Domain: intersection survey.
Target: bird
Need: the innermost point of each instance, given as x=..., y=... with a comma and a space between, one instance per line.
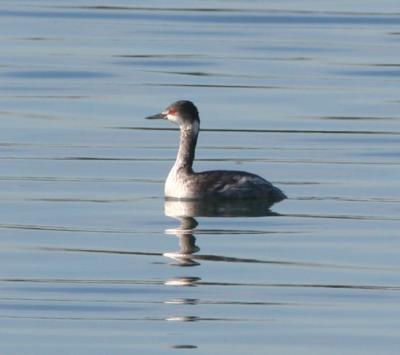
x=183, y=183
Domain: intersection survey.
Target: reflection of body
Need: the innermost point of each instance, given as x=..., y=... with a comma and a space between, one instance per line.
x=217, y=208
x=184, y=183
x=185, y=211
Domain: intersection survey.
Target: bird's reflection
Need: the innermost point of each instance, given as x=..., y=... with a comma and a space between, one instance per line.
x=186, y=211
x=216, y=208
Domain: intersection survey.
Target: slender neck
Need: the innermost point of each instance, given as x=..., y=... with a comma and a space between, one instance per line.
x=187, y=146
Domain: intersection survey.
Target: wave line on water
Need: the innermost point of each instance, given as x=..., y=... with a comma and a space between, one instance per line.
x=219, y=86
x=288, y=285
x=239, y=9
x=351, y=217
x=199, y=282
x=261, y=18
x=217, y=258
x=66, y=228
x=136, y=301
x=105, y=251
x=242, y=130
x=241, y=160
x=56, y=228
x=345, y=199
x=80, y=179
x=140, y=319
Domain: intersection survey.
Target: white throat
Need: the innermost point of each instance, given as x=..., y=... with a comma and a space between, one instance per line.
x=193, y=127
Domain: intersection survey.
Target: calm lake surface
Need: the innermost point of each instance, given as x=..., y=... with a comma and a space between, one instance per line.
x=94, y=261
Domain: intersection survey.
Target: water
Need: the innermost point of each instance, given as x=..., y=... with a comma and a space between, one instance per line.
x=93, y=260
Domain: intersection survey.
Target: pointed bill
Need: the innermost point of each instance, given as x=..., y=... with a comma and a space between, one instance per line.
x=157, y=116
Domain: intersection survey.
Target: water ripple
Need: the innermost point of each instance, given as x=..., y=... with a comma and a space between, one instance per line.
x=295, y=131
x=254, y=18
x=199, y=282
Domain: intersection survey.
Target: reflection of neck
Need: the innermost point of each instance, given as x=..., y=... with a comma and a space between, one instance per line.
x=187, y=243
x=187, y=146
x=187, y=240
x=188, y=223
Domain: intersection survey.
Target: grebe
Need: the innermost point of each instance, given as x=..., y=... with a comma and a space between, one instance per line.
x=183, y=183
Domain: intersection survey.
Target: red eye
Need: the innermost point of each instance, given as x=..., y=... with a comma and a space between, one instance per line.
x=171, y=111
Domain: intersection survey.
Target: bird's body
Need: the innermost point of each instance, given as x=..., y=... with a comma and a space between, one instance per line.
x=219, y=184
x=183, y=183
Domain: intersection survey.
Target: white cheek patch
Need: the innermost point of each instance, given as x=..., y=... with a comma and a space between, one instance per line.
x=171, y=117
